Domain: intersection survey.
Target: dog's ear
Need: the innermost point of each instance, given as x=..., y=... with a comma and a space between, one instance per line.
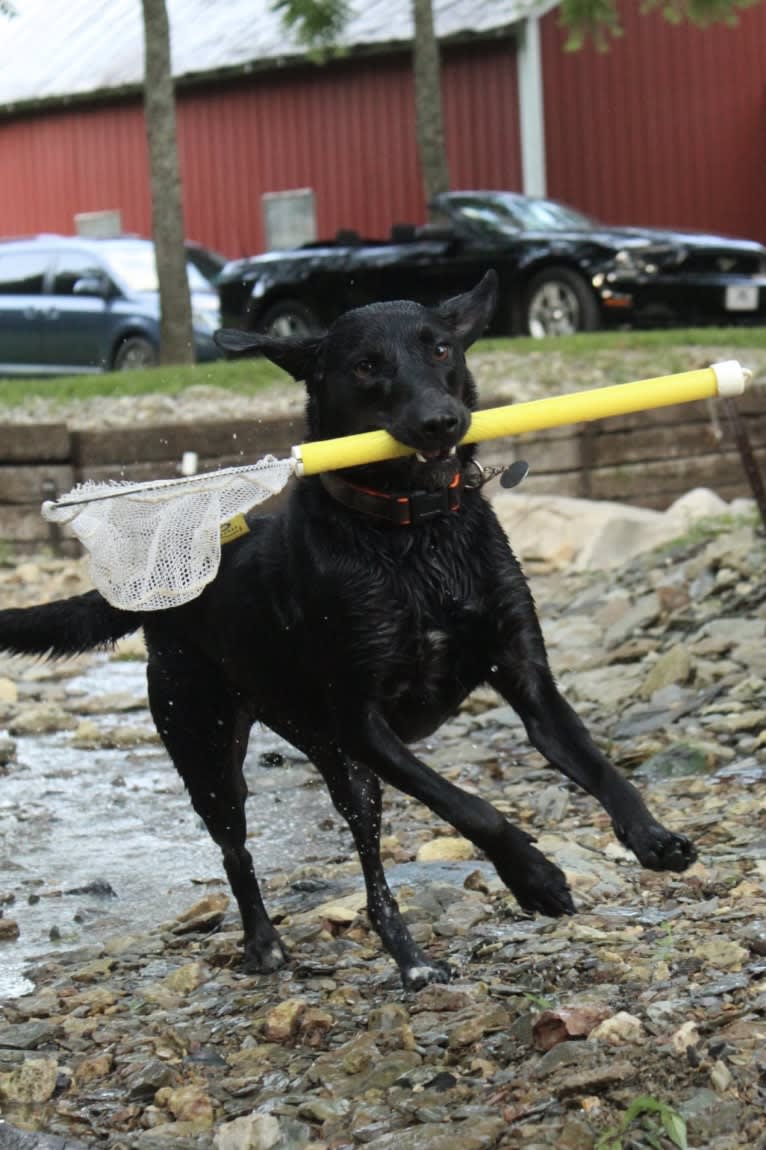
x=295, y=354
x=469, y=314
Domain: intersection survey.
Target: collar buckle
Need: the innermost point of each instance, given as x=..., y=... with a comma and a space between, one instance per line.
x=421, y=505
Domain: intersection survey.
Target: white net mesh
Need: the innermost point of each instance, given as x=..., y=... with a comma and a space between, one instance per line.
x=157, y=545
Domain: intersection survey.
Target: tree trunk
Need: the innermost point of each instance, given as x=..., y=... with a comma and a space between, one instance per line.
x=176, y=338
x=428, y=102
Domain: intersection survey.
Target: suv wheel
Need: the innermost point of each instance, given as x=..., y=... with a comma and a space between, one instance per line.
x=289, y=317
x=135, y=353
x=558, y=301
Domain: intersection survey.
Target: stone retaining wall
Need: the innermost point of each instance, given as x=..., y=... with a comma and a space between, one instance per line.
x=647, y=459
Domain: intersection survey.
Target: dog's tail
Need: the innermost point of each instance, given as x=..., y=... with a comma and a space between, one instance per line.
x=65, y=627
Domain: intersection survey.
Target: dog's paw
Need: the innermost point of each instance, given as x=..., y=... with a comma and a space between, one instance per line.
x=657, y=848
x=538, y=885
x=416, y=977
x=264, y=957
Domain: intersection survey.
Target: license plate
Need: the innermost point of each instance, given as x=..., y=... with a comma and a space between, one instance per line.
x=742, y=297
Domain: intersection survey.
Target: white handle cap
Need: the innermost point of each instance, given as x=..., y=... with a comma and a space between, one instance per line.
x=732, y=377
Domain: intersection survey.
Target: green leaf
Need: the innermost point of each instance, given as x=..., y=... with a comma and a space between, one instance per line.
x=675, y=1128
x=644, y=1104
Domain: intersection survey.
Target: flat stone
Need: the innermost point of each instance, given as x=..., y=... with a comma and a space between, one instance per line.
x=471, y=1135
x=707, y=1114
x=28, y=1035
x=672, y=666
x=643, y=613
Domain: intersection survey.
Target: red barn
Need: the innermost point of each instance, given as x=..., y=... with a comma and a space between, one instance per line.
x=667, y=128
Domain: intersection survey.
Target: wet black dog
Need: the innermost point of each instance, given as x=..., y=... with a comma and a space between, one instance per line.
x=357, y=621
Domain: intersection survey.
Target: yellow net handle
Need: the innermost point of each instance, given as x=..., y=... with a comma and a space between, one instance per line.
x=725, y=379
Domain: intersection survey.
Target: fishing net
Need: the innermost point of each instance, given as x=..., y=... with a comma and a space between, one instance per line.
x=157, y=545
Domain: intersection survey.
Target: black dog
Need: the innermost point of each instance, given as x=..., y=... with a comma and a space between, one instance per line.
x=358, y=620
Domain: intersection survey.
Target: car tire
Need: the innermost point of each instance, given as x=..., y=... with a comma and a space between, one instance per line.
x=558, y=301
x=288, y=317
x=134, y=353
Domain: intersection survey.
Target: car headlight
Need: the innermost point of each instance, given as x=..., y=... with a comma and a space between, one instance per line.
x=207, y=320
x=647, y=261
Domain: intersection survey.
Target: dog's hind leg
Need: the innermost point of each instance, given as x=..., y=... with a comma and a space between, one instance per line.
x=355, y=791
x=205, y=729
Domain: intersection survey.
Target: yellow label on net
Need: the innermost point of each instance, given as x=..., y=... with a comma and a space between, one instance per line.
x=233, y=528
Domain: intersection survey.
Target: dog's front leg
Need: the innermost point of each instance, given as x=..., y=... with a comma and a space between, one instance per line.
x=523, y=678
x=537, y=883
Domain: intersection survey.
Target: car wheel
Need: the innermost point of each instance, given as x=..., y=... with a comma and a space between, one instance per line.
x=134, y=353
x=288, y=317
x=558, y=301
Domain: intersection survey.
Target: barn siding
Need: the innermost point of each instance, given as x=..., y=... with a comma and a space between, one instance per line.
x=347, y=130
x=667, y=128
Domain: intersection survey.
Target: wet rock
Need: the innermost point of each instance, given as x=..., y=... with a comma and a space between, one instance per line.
x=687, y=1035
x=9, y=929
x=473, y=1029
x=471, y=1135
x=9, y=692
x=32, y=1083
x=677, y=761
x=673, y=666
x=720, y=1077
x=147, y=1079
x=190, y=1104
x=40, y=719
x=13, y=1139
x=707, y=1115
x=446, y=849
x=249, y=1132
x=204, y=915
x=558, y=1026
x=597, y=1079
x=186, y=978
x=461, y=917
x=282, y=1022
x=643, y=612
x=621, y=1029
x=93, y=1067
x=28, y=1035
x=721, y=953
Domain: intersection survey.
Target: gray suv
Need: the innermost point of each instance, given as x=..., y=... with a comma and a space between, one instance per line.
x=71, y=305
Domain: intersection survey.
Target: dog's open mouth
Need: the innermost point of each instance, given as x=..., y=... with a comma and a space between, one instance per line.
x=435, y=456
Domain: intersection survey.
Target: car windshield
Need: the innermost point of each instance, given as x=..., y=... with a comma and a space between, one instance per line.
x=137, y=268
x=506, y=215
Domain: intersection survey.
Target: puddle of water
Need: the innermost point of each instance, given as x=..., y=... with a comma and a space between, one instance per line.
x=70, y=816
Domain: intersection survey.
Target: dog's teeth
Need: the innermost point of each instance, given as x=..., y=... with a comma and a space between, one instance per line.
x=452, y=450
x=420, y=458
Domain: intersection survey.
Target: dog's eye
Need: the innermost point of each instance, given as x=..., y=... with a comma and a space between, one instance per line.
x=442, y=352
x=364, y=369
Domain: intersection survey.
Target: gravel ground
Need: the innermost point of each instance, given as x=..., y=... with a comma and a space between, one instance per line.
x=643, y=1015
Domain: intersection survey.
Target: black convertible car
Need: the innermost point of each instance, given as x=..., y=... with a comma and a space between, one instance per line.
x=560, y=272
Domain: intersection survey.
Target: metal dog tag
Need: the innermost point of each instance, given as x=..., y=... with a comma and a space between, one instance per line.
x=513, y=475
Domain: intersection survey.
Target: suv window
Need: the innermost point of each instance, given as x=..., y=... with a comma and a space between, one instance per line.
x=73, y=266
x=22, y=273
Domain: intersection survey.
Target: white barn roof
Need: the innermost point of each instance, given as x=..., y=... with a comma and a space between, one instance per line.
x=53, y=50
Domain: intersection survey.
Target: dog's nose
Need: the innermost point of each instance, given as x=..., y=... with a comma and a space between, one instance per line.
x=438, y=426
